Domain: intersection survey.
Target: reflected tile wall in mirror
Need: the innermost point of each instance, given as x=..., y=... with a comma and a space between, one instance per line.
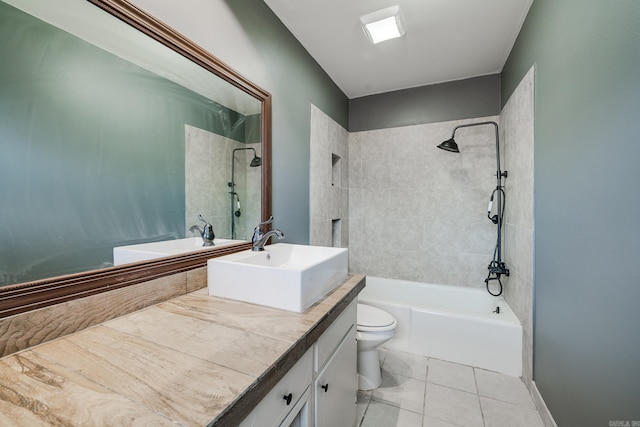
x=208, y=168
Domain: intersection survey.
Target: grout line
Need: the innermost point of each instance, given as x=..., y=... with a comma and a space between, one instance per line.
x=475, y=378
x=424, y=399
x=366, y=409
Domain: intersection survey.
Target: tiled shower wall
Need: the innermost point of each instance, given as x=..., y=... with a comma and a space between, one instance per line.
x=420, y=213
x=207, y=173
x=516, y=123
x=329, y=182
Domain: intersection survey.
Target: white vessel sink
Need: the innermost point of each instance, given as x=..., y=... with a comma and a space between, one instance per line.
x=286, y=276
x=147, y=251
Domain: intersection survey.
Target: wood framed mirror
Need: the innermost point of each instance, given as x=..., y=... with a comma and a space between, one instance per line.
x=21, y=296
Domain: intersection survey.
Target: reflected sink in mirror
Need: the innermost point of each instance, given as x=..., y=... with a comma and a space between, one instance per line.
x=287, y=276
x=147, y=251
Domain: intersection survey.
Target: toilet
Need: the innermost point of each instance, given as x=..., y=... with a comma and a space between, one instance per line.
x=375, y=327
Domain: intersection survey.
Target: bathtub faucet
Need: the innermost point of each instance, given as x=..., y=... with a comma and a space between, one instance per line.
x=496, y=270
x=260, y=239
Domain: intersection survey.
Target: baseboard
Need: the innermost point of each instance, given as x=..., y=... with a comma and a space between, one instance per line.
x=546, y=416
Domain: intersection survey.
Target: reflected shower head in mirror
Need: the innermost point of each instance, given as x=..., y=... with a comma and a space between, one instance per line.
x=256, y=161
x=449, y=145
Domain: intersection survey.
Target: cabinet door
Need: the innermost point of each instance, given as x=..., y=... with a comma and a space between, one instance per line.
x=299, y=415
x=336, y=387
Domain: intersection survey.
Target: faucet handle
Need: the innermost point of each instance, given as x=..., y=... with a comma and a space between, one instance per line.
x=257, y=232
x=267, y=222
x=258, y=229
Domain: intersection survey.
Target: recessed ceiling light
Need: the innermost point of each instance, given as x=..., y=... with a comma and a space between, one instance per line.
x=383, y=24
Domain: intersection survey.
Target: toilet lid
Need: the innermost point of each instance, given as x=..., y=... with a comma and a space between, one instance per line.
x=372, y=317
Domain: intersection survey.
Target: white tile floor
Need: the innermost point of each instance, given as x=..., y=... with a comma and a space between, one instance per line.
x=417, y=391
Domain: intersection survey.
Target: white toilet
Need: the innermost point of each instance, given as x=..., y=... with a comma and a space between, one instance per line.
x=375, y=327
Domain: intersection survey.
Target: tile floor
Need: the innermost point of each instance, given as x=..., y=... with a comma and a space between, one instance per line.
x=417, y=391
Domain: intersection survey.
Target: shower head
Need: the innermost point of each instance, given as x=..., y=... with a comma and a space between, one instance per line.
x=449, y=145
x=256, y=161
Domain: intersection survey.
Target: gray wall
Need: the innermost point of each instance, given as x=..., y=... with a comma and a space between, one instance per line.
x=250, y=38
x=587, y=204
x=462, y=99
x=297, y=81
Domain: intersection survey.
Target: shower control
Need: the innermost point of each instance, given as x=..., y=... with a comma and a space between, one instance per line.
x=496, y=266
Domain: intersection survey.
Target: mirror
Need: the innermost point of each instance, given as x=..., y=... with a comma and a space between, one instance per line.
x=110, y=138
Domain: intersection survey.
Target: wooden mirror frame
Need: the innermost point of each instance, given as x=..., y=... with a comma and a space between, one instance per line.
x=29, y=296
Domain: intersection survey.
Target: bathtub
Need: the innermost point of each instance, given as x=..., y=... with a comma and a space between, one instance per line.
x=452, y=323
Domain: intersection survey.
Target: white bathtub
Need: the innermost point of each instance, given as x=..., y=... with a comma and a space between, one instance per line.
x=452, y=323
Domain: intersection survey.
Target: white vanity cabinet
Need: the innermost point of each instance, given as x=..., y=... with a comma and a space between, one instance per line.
x=335, y=383
x=322, y=385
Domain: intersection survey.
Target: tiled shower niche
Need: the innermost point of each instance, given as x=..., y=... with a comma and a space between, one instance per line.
x=329, y=182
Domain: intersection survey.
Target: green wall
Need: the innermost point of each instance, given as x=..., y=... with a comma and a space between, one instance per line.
x=587, y=205
x=460, y=99
x=91, y=151
x=295, y=82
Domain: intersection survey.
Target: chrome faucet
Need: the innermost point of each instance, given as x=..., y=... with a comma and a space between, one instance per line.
x=206, y=233
x=260, y=239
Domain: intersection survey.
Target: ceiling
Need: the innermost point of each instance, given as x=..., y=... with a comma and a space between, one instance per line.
x=446, y=40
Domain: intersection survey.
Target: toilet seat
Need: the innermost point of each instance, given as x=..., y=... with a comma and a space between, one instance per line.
x=372, y=319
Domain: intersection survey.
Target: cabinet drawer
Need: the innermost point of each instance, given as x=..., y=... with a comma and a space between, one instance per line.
x=330, y=339
x=273, y=408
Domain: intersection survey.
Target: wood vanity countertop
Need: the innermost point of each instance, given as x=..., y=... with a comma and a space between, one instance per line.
x=194, y=360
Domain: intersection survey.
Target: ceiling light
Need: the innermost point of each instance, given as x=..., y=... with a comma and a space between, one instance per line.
x=383, y=24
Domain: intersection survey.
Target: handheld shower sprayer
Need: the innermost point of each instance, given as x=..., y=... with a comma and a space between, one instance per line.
x=493, y=219
x=499, y=215
x=238, y=211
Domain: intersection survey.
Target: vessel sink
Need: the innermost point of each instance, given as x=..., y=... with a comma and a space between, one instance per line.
x=147, y=251
x=287, y=276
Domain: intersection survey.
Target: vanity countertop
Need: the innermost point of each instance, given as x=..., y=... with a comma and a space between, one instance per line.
x=194, y=360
